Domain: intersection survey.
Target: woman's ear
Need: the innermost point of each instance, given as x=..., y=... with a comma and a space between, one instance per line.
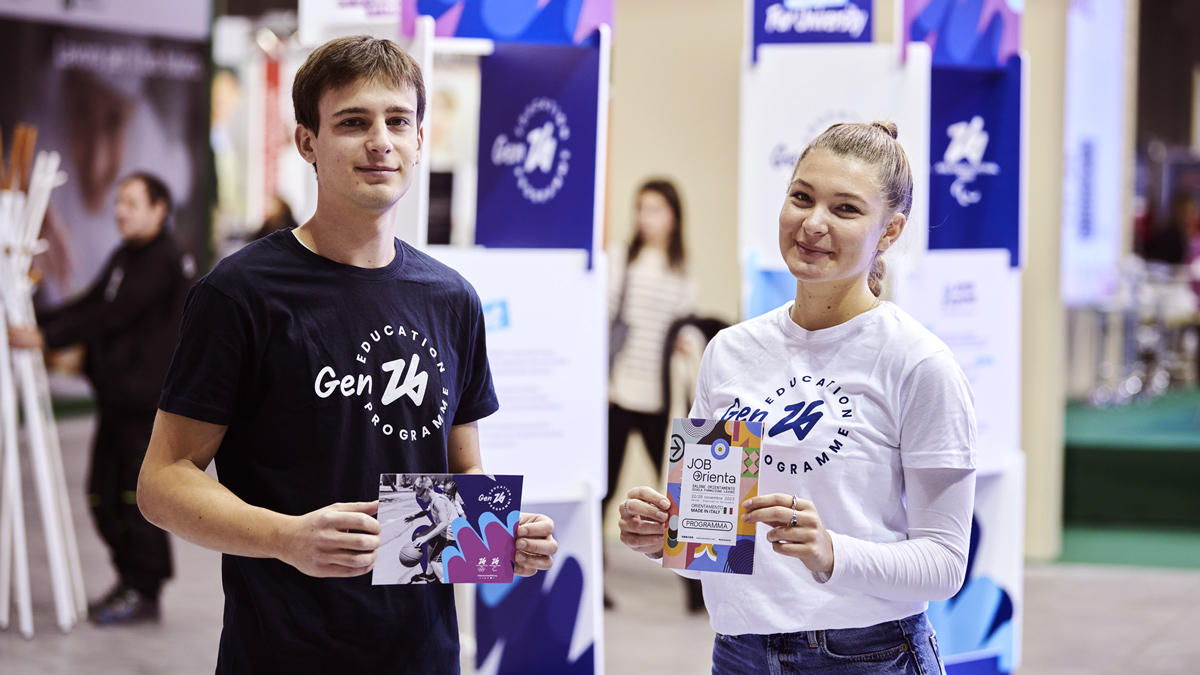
x=891, y=231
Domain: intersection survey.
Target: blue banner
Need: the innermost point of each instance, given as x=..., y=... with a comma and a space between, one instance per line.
x=808, y=21
x=543, y=21
x=537, y=147
x=975, y=159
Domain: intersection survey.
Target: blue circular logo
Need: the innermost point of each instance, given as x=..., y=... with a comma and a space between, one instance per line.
x=720, y=449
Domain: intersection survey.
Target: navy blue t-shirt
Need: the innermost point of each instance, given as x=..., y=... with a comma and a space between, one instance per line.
x=328, y=375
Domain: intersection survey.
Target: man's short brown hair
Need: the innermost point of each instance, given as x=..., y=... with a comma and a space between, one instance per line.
x=347, y=60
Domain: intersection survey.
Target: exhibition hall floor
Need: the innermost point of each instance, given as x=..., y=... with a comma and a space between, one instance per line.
x=1079, y=619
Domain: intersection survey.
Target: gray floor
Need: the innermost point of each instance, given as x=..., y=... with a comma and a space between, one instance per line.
x=1078, y=619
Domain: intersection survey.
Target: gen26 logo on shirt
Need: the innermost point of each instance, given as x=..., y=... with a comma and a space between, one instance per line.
x=792, y=412
x=402, y=358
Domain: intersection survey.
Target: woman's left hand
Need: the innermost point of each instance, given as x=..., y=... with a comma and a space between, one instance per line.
x=796, y=529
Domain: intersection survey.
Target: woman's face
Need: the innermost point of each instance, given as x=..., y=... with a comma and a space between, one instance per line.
x=654, y=218
x=834, y=219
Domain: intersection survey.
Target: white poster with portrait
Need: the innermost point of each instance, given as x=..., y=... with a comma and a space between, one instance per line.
x=792, y=94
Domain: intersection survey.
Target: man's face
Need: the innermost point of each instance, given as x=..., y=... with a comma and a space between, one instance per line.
x=138, y=220
x=368, y=147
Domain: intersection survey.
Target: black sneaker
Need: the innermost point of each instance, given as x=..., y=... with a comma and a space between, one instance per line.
x=123, y=606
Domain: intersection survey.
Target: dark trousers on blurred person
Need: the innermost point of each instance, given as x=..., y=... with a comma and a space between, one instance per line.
x=653, y=429
x=140, y=551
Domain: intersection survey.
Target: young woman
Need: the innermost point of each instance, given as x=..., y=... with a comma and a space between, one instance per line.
x=875, y=414
x=649, y=289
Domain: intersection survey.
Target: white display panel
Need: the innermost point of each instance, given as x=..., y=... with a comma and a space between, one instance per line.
x=547, y=331
x=971, y=299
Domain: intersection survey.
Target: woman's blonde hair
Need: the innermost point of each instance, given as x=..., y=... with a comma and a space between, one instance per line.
x=875, y=144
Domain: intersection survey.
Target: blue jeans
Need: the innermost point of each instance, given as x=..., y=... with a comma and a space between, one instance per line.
x=904, y=647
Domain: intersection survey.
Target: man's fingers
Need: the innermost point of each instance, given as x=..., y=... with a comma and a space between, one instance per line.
x=350, y=520
x=535, y=525
x=643, y=527
x=540, y=546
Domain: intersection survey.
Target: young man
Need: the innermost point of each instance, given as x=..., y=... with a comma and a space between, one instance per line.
x=311, y=362
x=128, y=322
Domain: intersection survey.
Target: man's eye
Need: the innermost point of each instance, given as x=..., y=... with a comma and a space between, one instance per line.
x=398, y=121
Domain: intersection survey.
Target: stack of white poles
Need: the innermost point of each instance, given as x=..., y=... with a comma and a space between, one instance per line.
x=24, y=195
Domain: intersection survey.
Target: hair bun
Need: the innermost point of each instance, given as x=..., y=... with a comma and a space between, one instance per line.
x=888, y=127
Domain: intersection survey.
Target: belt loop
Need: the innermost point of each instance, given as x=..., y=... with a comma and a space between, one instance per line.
x=812, y=638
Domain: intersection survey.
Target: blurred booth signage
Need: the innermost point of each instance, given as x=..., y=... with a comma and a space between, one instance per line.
x=975, y=154
x=537, y=147
x=1093, y=147
x=975, y=33
x=181, y=19
x=777, y=21
x=541, y=21
x=323, y=20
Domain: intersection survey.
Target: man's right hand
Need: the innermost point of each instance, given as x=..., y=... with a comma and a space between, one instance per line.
x=643, y=520
x=340, y=540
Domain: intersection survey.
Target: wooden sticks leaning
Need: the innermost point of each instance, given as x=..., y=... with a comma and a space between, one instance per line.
x=17, y=174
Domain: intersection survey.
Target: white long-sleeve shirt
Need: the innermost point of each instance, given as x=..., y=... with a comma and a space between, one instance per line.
x=872, y=421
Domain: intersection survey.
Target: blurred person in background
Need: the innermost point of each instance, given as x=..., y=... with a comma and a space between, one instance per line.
x=128, y=322
x=649, y=289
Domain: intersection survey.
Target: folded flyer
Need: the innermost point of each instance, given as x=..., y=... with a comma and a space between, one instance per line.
x=440, y=528
x=713, y=469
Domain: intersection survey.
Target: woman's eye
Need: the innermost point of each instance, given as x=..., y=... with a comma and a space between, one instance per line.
x=800, y=196
x=848, y=208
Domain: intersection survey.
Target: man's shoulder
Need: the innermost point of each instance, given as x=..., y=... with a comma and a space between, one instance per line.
x=420, y=267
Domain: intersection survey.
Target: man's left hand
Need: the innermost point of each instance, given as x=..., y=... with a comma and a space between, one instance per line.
x=535, y=544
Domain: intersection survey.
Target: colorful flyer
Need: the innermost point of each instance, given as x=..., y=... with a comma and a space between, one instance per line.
x=440, y=528
x=713, y=469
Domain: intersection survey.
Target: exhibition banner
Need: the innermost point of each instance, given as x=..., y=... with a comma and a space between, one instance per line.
x=551, y=622
x=537, y=147
x=547, y=325
x=975, y=33
x=971, y=300
x=1094, y=142
x=806, y=21
x=543, y=21
x=110, y=104
x=843, y=83
x=979, y=629
x=179, y=19
x=975, y=153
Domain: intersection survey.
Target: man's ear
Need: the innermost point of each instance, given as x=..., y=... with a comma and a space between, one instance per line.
x=420, y=143
x=304, y=143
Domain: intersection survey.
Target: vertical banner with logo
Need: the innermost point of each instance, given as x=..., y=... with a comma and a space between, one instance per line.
x=537, y=147
x=973, y=33
x=780, y=21
x=843, y=83
x=1094, y=139
x=975, y=154
x=542, y=21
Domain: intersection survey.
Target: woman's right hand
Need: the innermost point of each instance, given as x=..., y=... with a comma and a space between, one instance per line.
x=644, y=520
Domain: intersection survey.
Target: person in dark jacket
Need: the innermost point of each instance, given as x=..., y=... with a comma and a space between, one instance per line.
x=128, y=322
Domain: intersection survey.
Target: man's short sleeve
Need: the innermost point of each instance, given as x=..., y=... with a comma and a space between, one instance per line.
x=207, y=369
x=478, y=398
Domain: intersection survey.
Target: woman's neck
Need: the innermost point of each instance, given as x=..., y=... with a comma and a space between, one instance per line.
x=826, y=305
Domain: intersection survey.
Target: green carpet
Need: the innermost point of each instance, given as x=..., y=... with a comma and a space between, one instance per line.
x=1136, y=465
x=1125, y=546
x=1171, y=422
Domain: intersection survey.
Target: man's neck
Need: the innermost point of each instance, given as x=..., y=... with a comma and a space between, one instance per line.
x=358, y=242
